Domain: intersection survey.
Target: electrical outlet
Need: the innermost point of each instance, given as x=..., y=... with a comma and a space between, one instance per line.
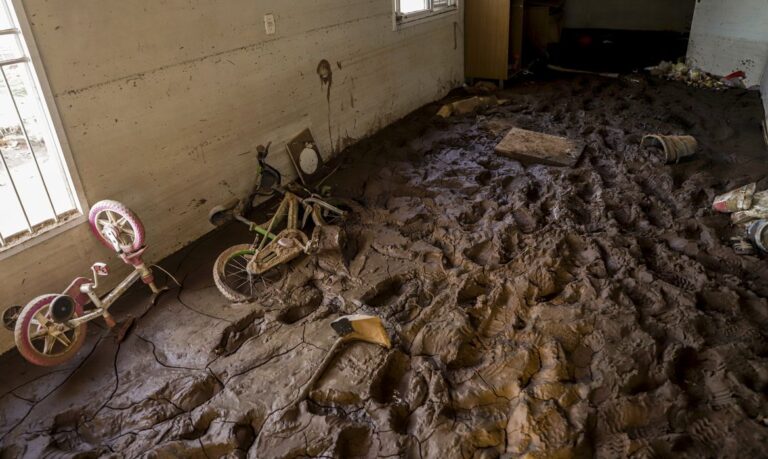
x=269, y=23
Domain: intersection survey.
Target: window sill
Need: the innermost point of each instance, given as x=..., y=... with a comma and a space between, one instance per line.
x=41, y=235
x=403, y=22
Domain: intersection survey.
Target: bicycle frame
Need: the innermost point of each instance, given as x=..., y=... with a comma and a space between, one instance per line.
x=140, y=271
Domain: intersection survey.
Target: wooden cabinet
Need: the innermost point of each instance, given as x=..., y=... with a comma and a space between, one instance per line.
x=493, y=34
x=487, y=38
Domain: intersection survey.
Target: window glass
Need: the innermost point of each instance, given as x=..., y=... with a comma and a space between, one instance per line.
x=9, y=47
x=409, y=6
x=35, y=186
x=22, y=169
x=5, y=17
x=41, y=138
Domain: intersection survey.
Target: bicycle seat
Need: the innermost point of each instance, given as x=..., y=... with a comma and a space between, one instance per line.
x=269, y=178
x=74, y=290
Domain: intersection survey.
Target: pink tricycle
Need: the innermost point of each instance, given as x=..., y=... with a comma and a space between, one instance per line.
x=50, y=329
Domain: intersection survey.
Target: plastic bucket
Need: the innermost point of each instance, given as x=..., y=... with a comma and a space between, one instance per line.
x=676, y=147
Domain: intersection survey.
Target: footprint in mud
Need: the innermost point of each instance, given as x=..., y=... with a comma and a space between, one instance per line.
x=506, y=182
x=386, y=293
x=682, y=119
x=510, y=245
x=585, y=191
x=580, y=253
x=533, y=193
x=525, y=220
x=388, y=379
x=237, y=333
x=473, y=215
x=656, y=214
x=474, y=288
x=303, y=302
x=487, y=164
x=578, y=210
x=484, y=178
x=606, y=171
x=483, y=254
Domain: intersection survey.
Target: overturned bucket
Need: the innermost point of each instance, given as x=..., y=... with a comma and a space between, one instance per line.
x=735, y=200
x=676, y=147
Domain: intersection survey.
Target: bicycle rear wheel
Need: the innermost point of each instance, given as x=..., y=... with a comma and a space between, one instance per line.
x=43, y=342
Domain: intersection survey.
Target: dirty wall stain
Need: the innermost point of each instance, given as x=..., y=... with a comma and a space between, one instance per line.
x=325, y=73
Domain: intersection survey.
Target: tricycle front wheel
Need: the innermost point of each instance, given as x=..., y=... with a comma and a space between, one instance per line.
x=42, y=341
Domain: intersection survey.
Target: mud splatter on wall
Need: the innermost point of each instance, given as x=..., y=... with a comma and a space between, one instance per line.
x=326, y=77
x=325, y=73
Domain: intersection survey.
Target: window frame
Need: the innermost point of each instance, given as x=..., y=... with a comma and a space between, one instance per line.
x=404, y=19
x=47, y=99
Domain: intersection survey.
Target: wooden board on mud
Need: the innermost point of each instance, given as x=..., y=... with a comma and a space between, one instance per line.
x=535, y=147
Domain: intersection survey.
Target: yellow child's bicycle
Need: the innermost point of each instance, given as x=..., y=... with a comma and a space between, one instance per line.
x=277, y=241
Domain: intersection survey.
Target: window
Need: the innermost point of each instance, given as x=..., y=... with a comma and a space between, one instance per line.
x=36, y=190
x=411, y=10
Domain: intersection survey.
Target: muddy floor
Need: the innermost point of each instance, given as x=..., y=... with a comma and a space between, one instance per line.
x=534, y=311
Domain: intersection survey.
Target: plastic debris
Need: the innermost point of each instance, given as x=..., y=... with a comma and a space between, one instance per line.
x=758, y=235
x=742, y=246
x=735, y=200
x=481, y=87
x=696, y=77
x=748, y=208
x=470, y=105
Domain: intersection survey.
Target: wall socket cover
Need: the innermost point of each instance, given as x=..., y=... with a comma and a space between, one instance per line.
x=269, y=23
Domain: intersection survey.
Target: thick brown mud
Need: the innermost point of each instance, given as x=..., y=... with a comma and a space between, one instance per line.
x=535, y=311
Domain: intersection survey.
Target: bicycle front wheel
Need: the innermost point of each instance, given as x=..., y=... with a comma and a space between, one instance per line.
x=230, y=273
x=116, y=226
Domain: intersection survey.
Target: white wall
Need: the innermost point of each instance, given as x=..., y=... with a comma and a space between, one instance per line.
x=163, y=103
x=730, y=35
x=655, y=15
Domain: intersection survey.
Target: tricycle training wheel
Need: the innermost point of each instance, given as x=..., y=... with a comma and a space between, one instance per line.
x=10, y=316
x=116, y=226
x=42, y=341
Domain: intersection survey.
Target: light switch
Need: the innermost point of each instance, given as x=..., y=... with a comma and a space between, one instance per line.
x=269, y=23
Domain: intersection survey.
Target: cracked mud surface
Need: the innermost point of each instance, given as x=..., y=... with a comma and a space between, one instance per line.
x=535, y=311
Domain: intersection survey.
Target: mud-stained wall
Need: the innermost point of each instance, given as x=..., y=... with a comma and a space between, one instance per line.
x=657, y=15
x=164, y=102
x=727, y=36
x=764, y=93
